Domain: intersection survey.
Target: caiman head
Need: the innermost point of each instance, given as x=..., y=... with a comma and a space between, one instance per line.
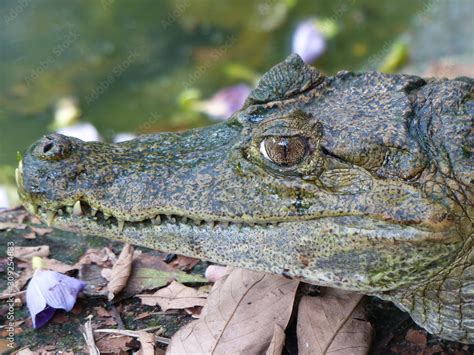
x=359, y=181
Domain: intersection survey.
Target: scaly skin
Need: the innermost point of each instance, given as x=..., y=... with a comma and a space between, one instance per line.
x=357, y=181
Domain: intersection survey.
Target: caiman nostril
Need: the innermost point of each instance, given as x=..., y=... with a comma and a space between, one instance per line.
x=48, y=147
x=53, y=147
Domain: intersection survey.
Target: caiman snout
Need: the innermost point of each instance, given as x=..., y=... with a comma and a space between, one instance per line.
x=48, y=172
x=52, y=147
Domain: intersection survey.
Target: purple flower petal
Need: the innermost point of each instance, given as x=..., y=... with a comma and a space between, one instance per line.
x=48, y=291
x=226, y=101
x=308, y=42
x=43, y=317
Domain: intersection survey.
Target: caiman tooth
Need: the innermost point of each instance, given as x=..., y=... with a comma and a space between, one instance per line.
x=69, y=209
x=120, y=224
x=225, y=224
x=107, y=215
x=17, y=177
x=60, y=212
x=18, y=173
x=50, y=215
x=77, y=209
x=93, y=211
x=184, y=220
x=33, y=208
x=157, y=220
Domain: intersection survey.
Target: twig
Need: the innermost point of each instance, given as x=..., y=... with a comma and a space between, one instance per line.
x=148, y=343
x=134, y=333
x=88, y=335
x=116, y=314
x=4, y=296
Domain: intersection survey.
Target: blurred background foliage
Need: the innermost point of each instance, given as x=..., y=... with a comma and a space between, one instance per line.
x=141, y=66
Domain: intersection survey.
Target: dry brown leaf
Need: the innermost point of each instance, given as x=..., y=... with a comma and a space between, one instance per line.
x=33, y=219
x=113, y=343
x=143, y=315
x=17, y=214
x=175, y=296
x=6, y=347
x=106, y=274
x=120, y=271
x=102, y=312
x=278, y=341
x=194, y=312
x=11, y=225
x=334, y=323
x=417, y=337
x=58, y=266
x=29, y=235
x=41, y=231
x=148, y=343
x=4, y=333
x=182, y=262
x=26, y=253
x=239, y=316
x=216, y=272
x=104, y=317
x=20, y=281
x=104, y=257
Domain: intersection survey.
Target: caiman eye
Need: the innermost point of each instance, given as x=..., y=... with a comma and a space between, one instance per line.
x=284, y=151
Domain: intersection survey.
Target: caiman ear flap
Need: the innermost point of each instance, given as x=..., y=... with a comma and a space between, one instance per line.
x=284, y=80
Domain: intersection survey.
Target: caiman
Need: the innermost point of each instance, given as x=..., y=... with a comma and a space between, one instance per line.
x=357, y=181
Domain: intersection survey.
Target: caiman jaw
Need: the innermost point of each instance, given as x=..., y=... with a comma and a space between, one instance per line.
x=81, y=213
x=82, y=210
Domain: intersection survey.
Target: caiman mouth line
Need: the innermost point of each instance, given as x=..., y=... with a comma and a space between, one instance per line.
x=84, y=210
